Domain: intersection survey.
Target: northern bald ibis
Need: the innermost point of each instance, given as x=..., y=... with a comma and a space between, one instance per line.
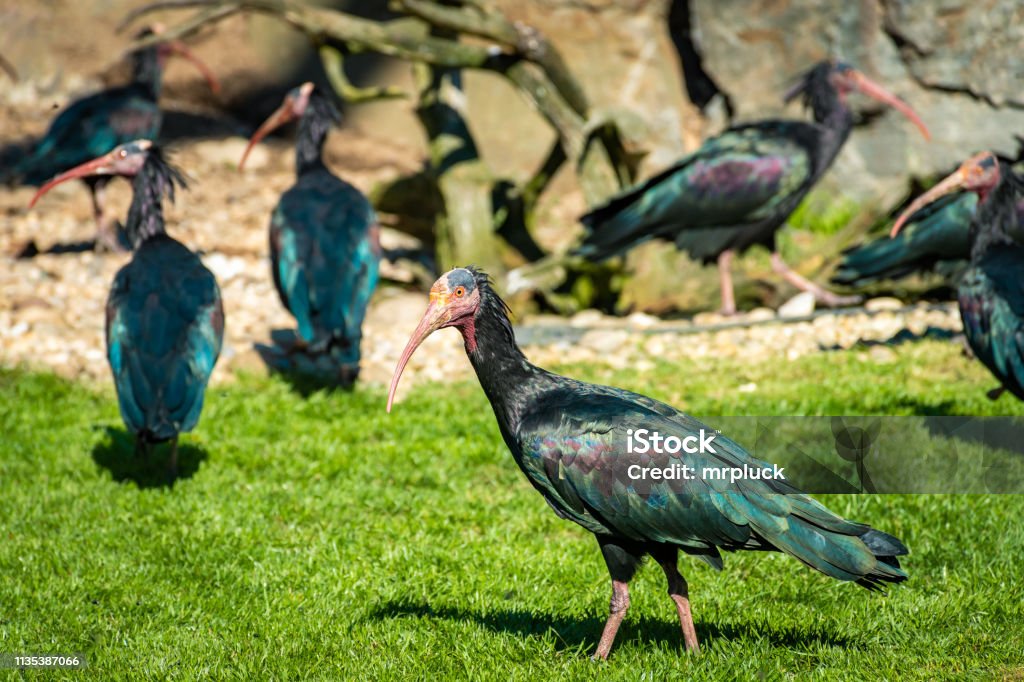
x=165, y=317
x=740, y=187
x=324, y=238
x=573, y=442
x=93, y=125
x=991, y=291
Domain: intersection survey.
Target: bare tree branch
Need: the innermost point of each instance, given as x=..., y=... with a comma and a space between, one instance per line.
x=465, y=231
x=594, y=167
x=475, y=203
x=212, y=14
x=134, y=14
x=524, y=40
x=402, y=39
x=334, y=66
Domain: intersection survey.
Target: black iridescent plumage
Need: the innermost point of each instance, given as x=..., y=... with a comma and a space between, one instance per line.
x=91, y=126
x=936, y=237
x=165, y=318
x=569, y=438
x=324, y=244
x=739, y=188
x=991, y=292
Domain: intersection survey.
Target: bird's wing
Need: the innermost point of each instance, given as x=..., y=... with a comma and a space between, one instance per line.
x=326, y=256
x=90, y=127
x=991, y=298
x=286, y=266
x=165, y=326
x=938, y=232
x=118, y=335
x=574, y=449
x=738, y=178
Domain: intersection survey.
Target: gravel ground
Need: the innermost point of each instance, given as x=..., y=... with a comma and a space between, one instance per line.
x=51, y=305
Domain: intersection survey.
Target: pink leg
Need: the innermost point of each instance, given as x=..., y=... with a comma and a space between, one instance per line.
x=678, y=590
x=619, y=606
x=106, y=230
x=725, y=282
x=803, y=284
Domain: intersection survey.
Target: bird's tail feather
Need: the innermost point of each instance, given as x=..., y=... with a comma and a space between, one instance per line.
x=332, y=358
x=841, y=549
x=883, y=258
x=36, y=166
x=620, y=224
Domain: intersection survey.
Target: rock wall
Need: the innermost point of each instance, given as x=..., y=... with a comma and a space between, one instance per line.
x=958, y=63
x=675, y=71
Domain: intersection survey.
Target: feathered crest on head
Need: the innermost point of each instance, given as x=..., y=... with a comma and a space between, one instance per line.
x=1012, y=167
x=806, y=81
x=158, y=172
x=323, y=106
x=490, y=298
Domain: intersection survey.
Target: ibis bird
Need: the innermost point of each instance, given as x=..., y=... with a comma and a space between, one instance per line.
x=324, y=239
x=739, y=188
x=573, y=441
x=991, y=292
x=93, y=125
x=165, y=317
x=935, y=238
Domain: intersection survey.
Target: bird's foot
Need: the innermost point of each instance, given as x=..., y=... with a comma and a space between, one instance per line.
x=298, y=347
x=619, y=606
x=726, y=312
x=996, y=392
x=107, y=241
x=965, y=348
x=833, y=300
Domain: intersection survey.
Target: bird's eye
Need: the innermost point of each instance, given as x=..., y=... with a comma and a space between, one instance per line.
x=123, y=153
x=459, y=292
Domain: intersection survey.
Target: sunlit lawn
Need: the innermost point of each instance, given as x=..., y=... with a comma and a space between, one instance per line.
x=321, y=538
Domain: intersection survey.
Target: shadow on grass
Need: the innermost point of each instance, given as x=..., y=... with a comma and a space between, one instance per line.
x=919, y=408
x=901, y=337
x=583, y=633
x=117, y=455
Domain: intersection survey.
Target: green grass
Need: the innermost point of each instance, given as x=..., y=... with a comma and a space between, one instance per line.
x=824, y=214
x=321, y=538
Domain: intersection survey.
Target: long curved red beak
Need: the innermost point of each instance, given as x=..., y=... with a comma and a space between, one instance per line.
x=435, y=317
x=283, y=114
x=179, y=48
x=877, y=92
x=98, y=166
x=951, y=184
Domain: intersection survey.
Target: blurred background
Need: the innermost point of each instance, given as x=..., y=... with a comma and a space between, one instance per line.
x=669, y=73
